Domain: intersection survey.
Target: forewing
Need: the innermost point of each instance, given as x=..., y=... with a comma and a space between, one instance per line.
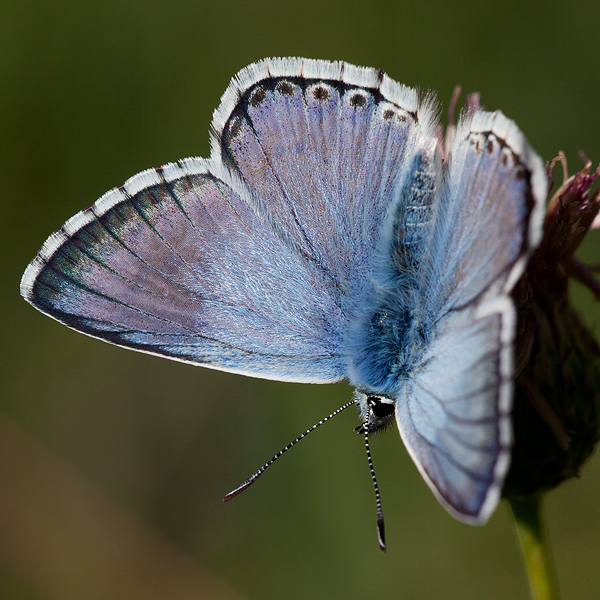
x=325, y=148
x=453, y=412
x=488, y=217
x=176, y=263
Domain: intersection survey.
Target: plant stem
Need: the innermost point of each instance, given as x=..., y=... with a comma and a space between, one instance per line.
x=526, y=512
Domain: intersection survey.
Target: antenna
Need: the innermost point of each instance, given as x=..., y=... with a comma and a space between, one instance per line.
x=251, y=480
x=380, y=524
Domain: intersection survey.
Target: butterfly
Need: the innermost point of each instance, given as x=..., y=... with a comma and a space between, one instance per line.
x=330, y=236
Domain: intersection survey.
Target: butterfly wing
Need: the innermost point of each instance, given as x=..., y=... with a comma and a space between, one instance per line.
x=453, y=413
x=488, y=218
x=324, y=148
x=176, y=263
x=247, y=262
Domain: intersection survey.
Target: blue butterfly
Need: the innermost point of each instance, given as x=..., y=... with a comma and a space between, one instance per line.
x=329, y=236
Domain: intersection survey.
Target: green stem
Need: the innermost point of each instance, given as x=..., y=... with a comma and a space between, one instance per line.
x=530, y=529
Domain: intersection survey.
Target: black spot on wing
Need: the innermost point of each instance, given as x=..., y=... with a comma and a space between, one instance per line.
x=321, y=93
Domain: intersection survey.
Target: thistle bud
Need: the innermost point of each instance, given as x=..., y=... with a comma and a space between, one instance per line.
x=556, y=414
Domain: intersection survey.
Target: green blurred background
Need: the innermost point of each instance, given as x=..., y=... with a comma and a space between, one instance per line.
x=113, y=463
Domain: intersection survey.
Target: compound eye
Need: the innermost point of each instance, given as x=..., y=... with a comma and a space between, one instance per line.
x=380, y=409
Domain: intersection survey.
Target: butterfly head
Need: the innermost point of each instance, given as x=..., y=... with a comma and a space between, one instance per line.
x=376, y=411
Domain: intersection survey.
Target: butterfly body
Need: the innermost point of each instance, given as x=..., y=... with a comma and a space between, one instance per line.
x=327, y=237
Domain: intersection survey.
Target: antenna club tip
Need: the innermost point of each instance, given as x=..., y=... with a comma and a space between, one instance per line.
x=381, y=533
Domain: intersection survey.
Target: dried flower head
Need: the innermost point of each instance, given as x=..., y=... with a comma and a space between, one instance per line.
x=556, y=412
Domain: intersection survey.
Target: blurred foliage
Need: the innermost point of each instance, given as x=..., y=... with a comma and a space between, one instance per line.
x=94, y=92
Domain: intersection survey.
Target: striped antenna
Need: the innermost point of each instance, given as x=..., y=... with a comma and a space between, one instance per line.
x=251, y=480
x=380, y=524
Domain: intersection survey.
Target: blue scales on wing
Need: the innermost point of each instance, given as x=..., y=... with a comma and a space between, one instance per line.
x=176, y=263
x=251, y=261
x=324, y=149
